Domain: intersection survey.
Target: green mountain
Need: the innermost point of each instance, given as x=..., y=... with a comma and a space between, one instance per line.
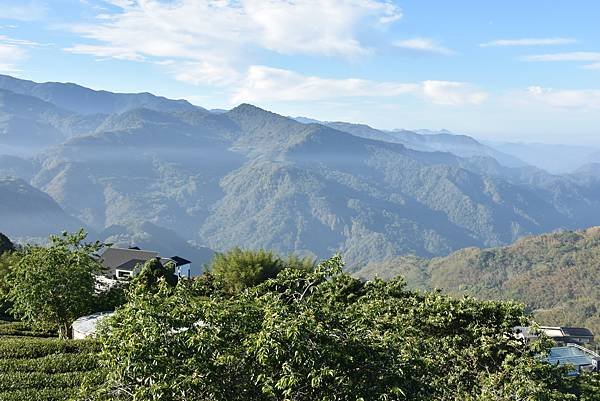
x=556, y=275
x=251, y=178
x=28, y=212
x=83, y=100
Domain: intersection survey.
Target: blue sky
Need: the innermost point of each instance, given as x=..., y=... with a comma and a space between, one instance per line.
x=504, y=70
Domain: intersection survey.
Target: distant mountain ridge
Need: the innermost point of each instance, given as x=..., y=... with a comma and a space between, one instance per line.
x=251, y=178
x=426, y=141
x=29, y=212
x=83, y=100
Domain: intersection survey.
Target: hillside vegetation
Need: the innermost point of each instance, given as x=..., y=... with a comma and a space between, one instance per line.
x=36, y=366
x=556, y=275
x=251, y=178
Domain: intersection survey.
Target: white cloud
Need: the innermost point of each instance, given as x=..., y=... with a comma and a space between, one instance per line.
x=217, y=34
x=593, y=57
x=10, y=56
x=452, y=93
x=271, y=84
x=12, y=52
x=423, y=45
x=571, y=56
x=201, y=72
x=528, y=42
x=579, y=99
x=20, y=10
x=593, y=66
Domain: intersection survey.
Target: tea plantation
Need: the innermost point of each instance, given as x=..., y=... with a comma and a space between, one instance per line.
x=36, y=366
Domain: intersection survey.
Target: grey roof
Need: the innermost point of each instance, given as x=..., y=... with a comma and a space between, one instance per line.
x=112, y=258
x=577, y=332
x=179, y=261
x=572, y=355
x=131, y=264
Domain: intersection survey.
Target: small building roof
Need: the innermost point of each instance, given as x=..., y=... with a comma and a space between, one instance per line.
x=179, y=261
x=577, y=332
x=131, y=264
x=113, y=257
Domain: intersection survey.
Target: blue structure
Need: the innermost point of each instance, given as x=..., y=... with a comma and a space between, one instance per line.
x=582, y=359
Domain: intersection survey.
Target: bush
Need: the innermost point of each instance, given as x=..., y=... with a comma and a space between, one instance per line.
x=39, y=394
x=53, y=363
x=319, y=334
x=39, y=347
x=40, y=380
x=238, y=269
x=24, y=330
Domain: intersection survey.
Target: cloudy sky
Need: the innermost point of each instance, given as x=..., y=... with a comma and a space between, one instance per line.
x=511, y=70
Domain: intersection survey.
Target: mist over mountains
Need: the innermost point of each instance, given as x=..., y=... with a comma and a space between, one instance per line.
x=171, y=173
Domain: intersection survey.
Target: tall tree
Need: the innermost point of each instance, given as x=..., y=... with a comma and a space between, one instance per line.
x=238, y=269
x=55, y=284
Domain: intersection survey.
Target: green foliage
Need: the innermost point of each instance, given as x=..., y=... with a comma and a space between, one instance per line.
x=318, y=334
x=555, y=275
x=46, y=369
x=111, y=298
x=40, y=347
x=152, y=271
x=54, y=285
x=21, y=329
x=238, y=269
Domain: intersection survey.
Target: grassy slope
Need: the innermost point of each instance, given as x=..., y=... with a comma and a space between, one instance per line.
x=35, y=366
x=556, y=275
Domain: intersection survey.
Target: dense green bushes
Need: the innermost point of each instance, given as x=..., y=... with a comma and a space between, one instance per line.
x=22, y=329
x=555, y=275
x=36, y=367
x=53, y=363
x=39, y=347
x=319, y=334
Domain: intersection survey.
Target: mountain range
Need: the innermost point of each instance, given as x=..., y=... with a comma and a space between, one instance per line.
x=142, y=166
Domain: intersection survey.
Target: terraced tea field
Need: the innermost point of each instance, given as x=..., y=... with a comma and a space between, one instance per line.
x=36, y=366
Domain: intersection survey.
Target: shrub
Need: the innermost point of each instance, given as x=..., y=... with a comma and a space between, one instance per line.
x=39, y=347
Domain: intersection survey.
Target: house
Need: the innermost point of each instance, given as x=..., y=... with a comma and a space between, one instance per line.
x=569, y=346
x=123, y=263
x=560, y=335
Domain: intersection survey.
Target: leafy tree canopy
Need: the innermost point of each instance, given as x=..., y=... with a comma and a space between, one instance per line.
x=238, y=269
x=152, y=271
x=55, y=284
x=319, y=334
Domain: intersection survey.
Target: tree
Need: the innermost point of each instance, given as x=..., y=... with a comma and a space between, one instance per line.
x=152, y=271
x=238, y=269
x=319, y=334
x=6, y=244
x=54, y=285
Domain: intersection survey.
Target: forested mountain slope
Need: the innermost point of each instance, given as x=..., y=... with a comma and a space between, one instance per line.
x=251, y=178
x=29, y=212
x=556, y=275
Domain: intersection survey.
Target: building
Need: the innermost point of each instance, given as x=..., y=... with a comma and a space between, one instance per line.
x=560, y=335
x=569, y=349
x=123, y=263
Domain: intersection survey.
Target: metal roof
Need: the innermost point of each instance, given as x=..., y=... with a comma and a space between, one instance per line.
x=179, y=261
x=131, y=264
x=574, y=355
x=577, y=332
x=112, y=258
